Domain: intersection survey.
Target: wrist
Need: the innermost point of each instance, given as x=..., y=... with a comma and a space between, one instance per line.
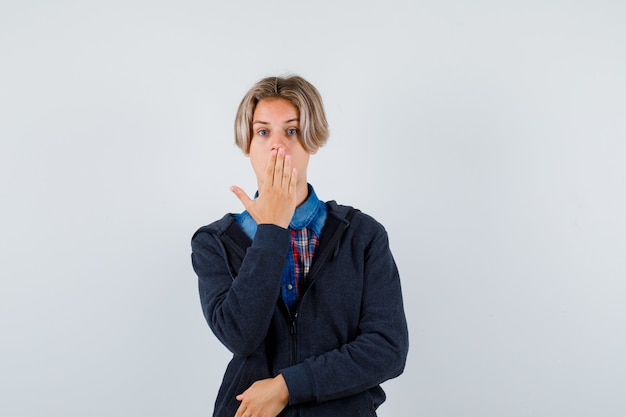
x=281, y=386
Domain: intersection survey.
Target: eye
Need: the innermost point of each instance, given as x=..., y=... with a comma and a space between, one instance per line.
x=292, y=131
x=262, y=132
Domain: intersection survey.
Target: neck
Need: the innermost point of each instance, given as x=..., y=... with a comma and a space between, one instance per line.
x=302, y=192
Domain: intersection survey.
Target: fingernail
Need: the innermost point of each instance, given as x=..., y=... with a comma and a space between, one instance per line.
x=281, y=151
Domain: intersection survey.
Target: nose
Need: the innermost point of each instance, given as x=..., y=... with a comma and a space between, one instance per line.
x=279, y=140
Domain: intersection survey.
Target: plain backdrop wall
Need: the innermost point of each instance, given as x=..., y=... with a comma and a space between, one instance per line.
x=489, y=137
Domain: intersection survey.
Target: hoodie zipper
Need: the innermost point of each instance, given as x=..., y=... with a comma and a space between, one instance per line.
x=294, y=339
x=330, y=248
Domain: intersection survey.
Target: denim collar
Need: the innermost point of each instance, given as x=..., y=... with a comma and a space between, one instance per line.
x=306, y=212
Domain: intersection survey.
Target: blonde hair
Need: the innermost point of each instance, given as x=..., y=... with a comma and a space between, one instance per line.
x=299, y=92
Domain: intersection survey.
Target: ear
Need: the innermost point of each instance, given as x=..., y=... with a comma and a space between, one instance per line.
x=315, y=151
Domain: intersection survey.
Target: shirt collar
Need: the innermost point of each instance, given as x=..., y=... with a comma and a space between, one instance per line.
x=306, y=211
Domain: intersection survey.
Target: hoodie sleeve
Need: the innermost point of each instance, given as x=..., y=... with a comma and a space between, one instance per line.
x=239, y=308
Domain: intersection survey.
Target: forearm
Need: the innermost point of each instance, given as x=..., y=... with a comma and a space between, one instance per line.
x=239, y=308
x=355, y=367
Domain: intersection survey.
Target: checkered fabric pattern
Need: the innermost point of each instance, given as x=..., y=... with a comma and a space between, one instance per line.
x=303, y=244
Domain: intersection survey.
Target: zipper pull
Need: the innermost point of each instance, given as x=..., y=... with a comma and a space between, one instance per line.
x=293, y=323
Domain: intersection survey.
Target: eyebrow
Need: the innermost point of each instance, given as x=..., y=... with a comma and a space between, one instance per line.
x=295, y=119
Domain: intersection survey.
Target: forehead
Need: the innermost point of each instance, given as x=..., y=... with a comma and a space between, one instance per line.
x=275, y=108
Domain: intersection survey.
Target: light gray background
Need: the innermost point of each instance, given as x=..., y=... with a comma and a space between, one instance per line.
x=489, y=137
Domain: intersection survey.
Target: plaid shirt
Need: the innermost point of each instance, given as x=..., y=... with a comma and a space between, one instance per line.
x=303, y=244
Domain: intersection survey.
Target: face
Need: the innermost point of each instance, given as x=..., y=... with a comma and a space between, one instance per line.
x=275, y=125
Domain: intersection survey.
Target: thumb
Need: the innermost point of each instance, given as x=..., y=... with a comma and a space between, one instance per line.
x=241, y=195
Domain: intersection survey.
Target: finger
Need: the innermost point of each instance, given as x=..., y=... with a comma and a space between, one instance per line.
x=287, y=172
x=269, y=168
x=241, y=195
x=279, y=167
x=293, y=181
x=242, y=408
